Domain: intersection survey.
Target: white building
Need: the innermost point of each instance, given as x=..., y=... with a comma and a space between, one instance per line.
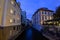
x=41, y=15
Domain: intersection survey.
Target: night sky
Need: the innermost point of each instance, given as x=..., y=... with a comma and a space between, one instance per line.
x=30, y=6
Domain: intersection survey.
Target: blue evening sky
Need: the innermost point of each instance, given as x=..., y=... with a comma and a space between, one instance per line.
x=30, y=6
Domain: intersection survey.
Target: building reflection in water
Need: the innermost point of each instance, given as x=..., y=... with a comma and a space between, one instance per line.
x=29, y=34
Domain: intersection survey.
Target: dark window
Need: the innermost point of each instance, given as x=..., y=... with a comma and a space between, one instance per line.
x=17, y=28
x=13, y=28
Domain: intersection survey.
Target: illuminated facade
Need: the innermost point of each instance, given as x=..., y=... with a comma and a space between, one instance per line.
x=10, y=19
x=42, y=15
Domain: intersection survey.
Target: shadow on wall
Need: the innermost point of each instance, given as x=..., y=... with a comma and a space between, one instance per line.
x=37, y=27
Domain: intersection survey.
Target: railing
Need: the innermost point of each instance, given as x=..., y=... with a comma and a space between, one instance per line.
x=53, y=31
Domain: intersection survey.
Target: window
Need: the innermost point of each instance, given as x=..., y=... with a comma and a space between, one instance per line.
x=59, y=24
x=10, y=32
x=18, y=20
x=11, y=11
x=43, y=12
x=42, y=17
x=12, y=20
x=47, y=17
x=50, y=17
x=13, y=28
x=41, y=22
x=12, y=2
x=47, y=12
x=17, y=28
x=51, y=13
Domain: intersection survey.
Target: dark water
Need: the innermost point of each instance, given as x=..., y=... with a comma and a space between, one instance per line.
x=31, y=34
x=28, y=34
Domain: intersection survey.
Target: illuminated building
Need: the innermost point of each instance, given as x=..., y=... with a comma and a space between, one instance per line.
x=10, y=19
x=42, y=15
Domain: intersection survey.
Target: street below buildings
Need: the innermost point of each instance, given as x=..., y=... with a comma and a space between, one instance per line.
x=31, y=34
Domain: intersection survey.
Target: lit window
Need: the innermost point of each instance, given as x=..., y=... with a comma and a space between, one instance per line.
x=49, y=22
x=11, y=20
x=41, y=22
x=11, y=11
x=12, y=2
x=54, y=22
x=59, y=24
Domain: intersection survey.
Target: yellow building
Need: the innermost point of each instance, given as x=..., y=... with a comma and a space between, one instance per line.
x=10, y=19
x=41, y=15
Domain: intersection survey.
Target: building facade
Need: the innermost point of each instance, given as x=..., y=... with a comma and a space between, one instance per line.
x=28, y=23
x=10, y=19
x=23, y=20
x=41, y=15
x=23, y=17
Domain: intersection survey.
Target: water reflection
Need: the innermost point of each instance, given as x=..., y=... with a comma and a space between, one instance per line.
x=29, y=34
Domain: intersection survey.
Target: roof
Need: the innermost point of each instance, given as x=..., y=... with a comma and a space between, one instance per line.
x=42, y=9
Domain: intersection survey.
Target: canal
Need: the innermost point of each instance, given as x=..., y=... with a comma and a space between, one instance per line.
x=31, y=34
